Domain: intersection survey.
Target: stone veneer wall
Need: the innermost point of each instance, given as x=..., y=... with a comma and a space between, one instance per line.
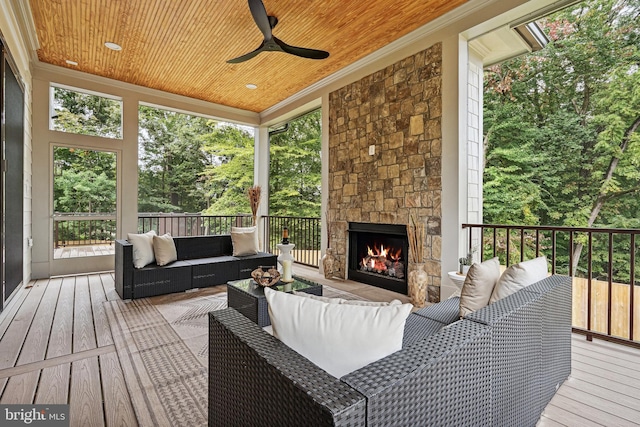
x=397, y=109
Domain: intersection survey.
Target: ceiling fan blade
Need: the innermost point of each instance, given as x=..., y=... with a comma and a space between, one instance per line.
x=246, y=56
x=301, y=51
x=261, y=18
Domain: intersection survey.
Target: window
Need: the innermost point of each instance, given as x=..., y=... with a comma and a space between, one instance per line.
x=85, y=113
x=189, y=163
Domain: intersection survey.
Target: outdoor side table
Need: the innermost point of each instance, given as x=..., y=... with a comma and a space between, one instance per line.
x=247, y=297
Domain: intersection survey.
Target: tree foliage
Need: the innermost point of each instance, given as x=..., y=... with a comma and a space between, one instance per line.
x=561, y=146
x=84, y=181
x=295, y=172
x=561, y=126
x=171, y=160
x=86, y=114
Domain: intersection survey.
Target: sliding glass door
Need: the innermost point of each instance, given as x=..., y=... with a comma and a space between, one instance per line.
x=11, y=178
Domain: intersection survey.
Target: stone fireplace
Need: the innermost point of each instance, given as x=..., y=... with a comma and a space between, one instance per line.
x=394, y=113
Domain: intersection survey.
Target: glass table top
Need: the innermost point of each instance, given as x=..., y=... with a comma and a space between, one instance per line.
x=251, y=287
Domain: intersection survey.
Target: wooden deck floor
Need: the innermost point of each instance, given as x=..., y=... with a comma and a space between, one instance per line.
x=56, y=347
x=64, y=252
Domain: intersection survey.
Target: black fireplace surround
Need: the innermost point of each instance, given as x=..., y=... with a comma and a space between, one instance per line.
x=378, y=255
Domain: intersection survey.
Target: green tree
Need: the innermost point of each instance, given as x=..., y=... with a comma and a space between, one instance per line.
x=86, y=114
x=171, y=161
x=295, y=170
x=84, y=181
x=562, y=124
x=229, y=172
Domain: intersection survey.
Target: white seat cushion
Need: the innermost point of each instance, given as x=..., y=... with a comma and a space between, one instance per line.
x=339, y=338
x=519, y=276
x=142, y=248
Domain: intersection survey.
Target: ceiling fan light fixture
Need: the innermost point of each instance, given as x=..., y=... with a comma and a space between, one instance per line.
x=251, y=86
x=113, y=46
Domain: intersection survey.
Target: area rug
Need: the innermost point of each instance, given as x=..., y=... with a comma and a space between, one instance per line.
x=162, y=344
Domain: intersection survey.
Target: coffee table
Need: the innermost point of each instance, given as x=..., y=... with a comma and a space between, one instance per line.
x=247, y=297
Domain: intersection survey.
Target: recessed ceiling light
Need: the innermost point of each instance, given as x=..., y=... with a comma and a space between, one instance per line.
x=252, y=86
x=113, y=46
x=70, y=62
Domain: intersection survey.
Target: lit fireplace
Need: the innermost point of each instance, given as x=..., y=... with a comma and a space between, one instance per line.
x=383, y=260
x=378, y=255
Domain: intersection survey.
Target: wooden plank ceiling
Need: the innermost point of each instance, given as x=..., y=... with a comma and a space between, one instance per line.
x=181, y=46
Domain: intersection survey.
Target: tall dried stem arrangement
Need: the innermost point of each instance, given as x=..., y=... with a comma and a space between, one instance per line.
x=328, y=220
x=254, y=201
x=416, y=235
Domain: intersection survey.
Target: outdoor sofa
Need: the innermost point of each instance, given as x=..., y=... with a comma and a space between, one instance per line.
x=202, y=261
x=499, y=366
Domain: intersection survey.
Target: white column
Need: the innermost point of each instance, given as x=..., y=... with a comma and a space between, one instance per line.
x=324, y=172
x=261, y=163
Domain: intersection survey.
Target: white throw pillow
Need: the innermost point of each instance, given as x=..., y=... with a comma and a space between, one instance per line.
x=142, y=248
x=339, y=338
x=520, y=276
x=245, y=240
x=348, y=301
x=164, y=249
x=478, y=285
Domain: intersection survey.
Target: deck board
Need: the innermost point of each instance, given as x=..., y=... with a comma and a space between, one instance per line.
x=84, y=334
x=54, y=385
x=60, y=341
x=14, y=337
x=21, y=388
x=102, y=330
x=117, y=401
x=85, y=400
x=35, y=344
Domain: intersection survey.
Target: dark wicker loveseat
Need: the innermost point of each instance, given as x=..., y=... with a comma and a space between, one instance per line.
x=499, y=366
x=202, y=261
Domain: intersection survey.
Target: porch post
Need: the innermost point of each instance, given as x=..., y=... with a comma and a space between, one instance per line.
x=261, y=162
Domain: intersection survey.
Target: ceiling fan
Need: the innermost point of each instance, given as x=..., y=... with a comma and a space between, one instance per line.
x=271, y=43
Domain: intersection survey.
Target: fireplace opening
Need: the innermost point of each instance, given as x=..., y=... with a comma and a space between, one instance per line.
x=378, y=255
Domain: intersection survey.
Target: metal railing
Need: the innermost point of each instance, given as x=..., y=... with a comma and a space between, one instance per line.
x=191, y=224
x=304, y=232
x=601, y=261
x=82, y=229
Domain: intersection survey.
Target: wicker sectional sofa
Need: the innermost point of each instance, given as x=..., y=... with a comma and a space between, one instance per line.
x=202, y=261
x=498, y=366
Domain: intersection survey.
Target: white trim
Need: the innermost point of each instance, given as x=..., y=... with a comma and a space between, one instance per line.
x=221, y=112
x=85, y=91
x=24, y=18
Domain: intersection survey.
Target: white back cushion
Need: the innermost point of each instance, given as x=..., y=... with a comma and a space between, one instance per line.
x=478, y=286
x=339, y=338
x=519, y=276
x=142, y=248
x=164, y=249
x=245, y=240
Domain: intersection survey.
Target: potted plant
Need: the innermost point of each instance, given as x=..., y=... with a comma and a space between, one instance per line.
x=465, y=263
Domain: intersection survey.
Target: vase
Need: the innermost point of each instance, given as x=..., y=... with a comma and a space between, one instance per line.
x=418, y=280
x=286, y=261
x=328, y=263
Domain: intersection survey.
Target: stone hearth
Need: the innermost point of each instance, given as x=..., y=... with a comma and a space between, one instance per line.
x=398, y=110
